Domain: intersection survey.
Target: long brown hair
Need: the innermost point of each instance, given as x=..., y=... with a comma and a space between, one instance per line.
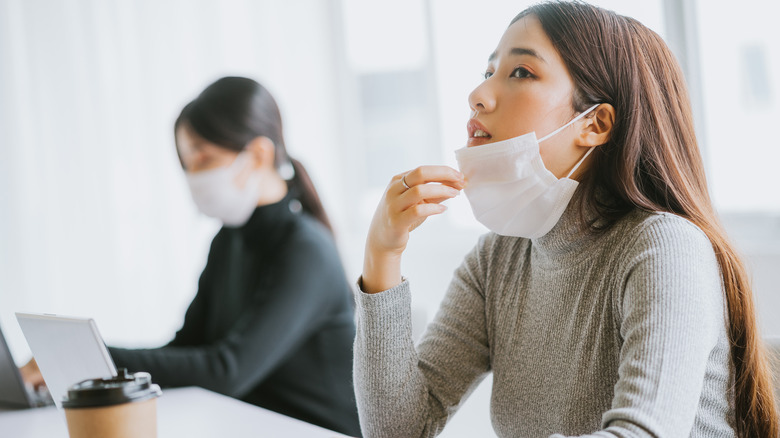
x=233, y=111
x=652, y=162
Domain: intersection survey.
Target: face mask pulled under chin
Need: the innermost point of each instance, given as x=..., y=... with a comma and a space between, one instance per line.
x=217, y=194
x=510, y=190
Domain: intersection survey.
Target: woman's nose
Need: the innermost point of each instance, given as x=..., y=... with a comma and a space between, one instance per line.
x=483, y=99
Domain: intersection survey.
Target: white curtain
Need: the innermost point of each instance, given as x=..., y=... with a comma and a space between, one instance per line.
x=95, y=217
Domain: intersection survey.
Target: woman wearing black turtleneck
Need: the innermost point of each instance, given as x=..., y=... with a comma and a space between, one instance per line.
x=272, y=322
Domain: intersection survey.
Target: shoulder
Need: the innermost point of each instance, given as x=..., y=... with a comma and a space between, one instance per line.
x=306, y=263
x=669, y=274
x=306, y=228
x=308, y=240
x=668, y=259
x=665, y=233
x=219, y=247
x=664, y=246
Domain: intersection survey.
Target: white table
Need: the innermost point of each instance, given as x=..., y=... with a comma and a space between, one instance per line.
x=182, y=412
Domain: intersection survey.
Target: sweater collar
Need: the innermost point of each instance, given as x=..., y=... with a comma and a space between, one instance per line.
x=568, y=241
x=269, y=218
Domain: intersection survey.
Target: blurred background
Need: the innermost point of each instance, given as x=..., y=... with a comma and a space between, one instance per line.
x=95, y=216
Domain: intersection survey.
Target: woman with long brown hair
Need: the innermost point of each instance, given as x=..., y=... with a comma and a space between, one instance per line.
x=607, y=300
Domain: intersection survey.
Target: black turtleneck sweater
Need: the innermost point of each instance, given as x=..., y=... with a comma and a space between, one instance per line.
x=272, y=322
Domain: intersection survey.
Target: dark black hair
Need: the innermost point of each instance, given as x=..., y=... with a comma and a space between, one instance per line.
x=232, y=112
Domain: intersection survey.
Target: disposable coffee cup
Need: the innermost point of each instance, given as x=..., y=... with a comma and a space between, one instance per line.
x=124, y=406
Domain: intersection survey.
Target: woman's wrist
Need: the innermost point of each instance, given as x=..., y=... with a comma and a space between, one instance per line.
x=380, y=272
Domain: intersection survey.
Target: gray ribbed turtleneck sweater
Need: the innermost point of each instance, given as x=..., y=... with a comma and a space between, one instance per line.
x=617, y=335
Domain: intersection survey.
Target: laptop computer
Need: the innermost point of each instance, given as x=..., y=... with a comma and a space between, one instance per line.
x=68, y=350
x=14, y=393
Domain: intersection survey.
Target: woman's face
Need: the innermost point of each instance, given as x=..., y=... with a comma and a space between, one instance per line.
x=198, y=154
x=526, y=88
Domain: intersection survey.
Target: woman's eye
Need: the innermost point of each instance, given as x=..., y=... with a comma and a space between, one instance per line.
x=488, y=74
x=521, y=72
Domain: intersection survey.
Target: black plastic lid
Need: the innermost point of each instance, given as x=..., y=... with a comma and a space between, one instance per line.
x=123, y=388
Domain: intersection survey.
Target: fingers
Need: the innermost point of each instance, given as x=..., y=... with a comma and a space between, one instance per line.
x=444, y=175
x=425, y=193
x=410, y=198
x=32, y=375
x=406, y=221
x=415, y=214
x=413, y=194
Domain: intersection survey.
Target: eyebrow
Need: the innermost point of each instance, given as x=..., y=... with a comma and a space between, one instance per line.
x=517, y=51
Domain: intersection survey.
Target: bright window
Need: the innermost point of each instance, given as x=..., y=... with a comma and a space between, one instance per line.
x=739, y=50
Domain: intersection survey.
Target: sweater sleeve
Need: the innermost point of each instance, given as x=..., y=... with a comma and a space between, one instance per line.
x=672, y=314
x=262, y=337
x=403, y=391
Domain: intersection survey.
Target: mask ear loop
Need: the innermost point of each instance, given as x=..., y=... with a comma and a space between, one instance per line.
x=590, y=149
x=581, y=115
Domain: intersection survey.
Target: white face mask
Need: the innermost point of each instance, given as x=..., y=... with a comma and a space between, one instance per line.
x=216, y=192
x=510, y=190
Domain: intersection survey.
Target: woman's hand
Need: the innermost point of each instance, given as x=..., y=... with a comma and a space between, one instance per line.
x=32, y=375
x=409, y=199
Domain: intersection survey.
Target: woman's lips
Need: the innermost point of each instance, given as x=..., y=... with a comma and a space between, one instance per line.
x=478, y=134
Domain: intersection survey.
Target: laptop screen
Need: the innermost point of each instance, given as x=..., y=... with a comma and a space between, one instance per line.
x=68, y=350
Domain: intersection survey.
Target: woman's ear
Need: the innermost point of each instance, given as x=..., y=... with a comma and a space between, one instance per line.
x=597, y=128
x=263, y=151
